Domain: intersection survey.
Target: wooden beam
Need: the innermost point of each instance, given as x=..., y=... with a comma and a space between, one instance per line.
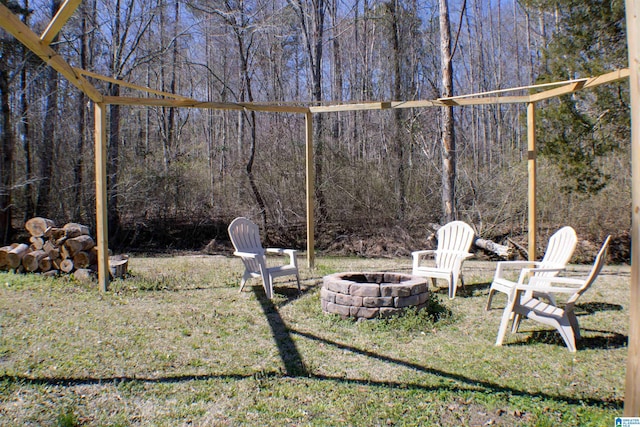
x=127, y=84
x=100, y=148
x=192, y=103
x=273, y=108
x=532, y=168
x=632, y=384
x=582, y=84
x=311, y=256
x=163, y=102
x=28, y=38
x=512, y=89
x=488, y=100
x=360, y=106
x=65, y=12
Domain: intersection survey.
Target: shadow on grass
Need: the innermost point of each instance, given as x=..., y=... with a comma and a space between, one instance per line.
x=593, y=307
x=604, y=340
x=295, y=367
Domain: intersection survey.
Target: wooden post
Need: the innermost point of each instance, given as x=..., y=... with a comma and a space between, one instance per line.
x=101, y=194
x=531, y=156
x=632, y=386
x=311, y=256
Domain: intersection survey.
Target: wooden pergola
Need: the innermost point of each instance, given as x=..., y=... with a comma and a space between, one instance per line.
x=40, y=45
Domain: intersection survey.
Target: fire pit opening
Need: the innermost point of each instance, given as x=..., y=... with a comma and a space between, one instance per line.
x=363, y=295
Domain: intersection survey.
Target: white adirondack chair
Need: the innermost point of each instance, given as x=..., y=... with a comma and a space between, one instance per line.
x=454, y=241
x=559, y=251
x=245, y=236
x=522, y=303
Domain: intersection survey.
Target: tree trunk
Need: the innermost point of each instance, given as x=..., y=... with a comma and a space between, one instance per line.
x=448, y=136
x=399, y=145
x=6, y=160
x=49, y=138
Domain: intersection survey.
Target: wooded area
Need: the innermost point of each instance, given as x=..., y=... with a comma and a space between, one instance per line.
x=190, y=171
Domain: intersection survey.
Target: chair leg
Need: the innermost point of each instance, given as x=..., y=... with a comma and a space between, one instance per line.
x=298, y=281
x=516, y=322
x=504, y=322
x=268, y=286
x=246, y=276
x=506, y=316
x=491, y=292
x=573, y=321
x=566, y=331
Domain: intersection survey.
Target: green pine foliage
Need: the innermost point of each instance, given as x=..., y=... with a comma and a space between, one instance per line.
x=578, y=131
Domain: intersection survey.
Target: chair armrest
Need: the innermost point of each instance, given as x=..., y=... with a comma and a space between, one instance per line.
x=291, y=253
x=543, y=284
x=505, y=265
x=282, y=251
x=531, y=272
x=252, y=255
x=420, y=255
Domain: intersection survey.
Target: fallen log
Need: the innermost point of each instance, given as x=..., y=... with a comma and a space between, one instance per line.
x=487, y=245
x=490, y=246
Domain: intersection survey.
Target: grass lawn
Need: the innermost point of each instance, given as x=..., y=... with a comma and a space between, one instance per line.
x=176, y=344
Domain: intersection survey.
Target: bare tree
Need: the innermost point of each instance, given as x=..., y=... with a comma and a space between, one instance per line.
x=448, y=135
x=311, y=15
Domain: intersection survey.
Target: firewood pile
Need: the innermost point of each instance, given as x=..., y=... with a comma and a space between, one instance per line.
x=55, y=250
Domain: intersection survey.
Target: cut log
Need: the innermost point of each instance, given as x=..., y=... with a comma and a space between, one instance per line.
x=80, y=243
x=66, y=266
x=488, y=245
x=64, y=252
x=36, y=243
x=31, y=260
x=73, y=229
x=36, y=226
x=84, y=259
x=54, y=233
x=118, y=265
x=84, y=275
x=51, y=273
x=14, y=256
x=3, y=254
x=45, y=264
x=52, y=250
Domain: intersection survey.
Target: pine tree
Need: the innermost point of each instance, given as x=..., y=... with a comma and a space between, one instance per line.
x=576, y=130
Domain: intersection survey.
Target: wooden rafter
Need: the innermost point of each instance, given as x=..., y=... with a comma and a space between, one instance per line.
x=582, y=84
x=22, y=33
x=65, y=12
x=130, y=85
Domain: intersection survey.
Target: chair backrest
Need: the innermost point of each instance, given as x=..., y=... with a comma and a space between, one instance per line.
x=559, y=250
x=598, y=263
x=245, y=237
x=453, y=238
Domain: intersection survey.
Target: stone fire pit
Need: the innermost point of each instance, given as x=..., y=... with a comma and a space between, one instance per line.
x=363, y=295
